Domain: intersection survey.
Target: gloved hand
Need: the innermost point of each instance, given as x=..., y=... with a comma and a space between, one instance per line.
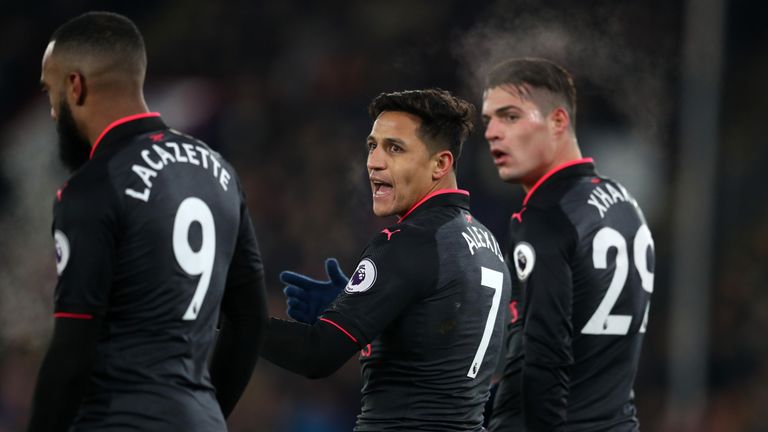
x=307, y=298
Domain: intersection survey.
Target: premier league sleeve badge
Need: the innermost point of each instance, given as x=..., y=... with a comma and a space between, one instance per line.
x=363, y=278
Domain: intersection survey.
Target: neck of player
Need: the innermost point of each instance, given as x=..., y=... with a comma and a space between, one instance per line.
x=567, y=150
x=105, y=111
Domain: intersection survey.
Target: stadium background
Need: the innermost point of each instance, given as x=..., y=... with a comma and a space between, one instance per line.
x=670, y=97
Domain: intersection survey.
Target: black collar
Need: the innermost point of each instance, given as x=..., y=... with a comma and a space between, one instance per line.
x=126, y=127
x=439, y=198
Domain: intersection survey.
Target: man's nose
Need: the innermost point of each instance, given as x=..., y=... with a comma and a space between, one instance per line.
x=493, y=131
x=375, y=160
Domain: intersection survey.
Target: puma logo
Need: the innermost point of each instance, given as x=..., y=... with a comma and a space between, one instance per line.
x=389, y=233
x=519, y=215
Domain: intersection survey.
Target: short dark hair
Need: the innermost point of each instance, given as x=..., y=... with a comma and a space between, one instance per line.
x=535, y=73
x=446, y=120
x=105, y=35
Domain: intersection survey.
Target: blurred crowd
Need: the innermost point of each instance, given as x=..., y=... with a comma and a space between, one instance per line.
x=280, y=88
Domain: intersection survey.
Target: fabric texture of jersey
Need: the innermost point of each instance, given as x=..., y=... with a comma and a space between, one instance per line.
x=581, y=258
x=145, y=232
x=426, y=306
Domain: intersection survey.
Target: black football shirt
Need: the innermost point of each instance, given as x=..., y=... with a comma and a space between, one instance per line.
x=427, y=306
x=582, y=260
x=145, y=233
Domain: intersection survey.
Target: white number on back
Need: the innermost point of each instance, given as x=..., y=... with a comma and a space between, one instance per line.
x=200, y=263
x=602, y=322
x=491, y=279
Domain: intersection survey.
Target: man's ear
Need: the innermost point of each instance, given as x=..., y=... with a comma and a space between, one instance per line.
x=443, y=164
x=76, y=88
x=559, y=120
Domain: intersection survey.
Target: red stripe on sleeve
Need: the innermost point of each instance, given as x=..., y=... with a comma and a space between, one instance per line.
x=340, y=328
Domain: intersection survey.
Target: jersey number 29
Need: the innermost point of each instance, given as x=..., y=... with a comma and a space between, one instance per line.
x=602, y=322
x=200, y=263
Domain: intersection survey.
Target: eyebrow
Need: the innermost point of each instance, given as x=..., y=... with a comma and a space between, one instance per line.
x=501, y=111
x=505, y=108
x=397, y=141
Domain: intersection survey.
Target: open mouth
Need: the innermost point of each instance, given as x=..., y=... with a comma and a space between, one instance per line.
x=380, y=188
x=498, y=156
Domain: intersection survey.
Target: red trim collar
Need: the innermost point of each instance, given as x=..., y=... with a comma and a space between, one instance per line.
x=435, y=193
x=118, y=122
x=552, y=172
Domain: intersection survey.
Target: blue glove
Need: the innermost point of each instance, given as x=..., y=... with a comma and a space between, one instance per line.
x=308, y=298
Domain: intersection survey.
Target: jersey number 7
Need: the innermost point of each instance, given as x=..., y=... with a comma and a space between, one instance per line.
x=193, y=210
x=602, y=322
x=491, y=279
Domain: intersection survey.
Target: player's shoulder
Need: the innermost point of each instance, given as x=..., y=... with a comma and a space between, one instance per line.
x=469, y=234
x=597, y=202
x=404, y=252
x=171, y=146
x=203, y=150
x=87, y=196
x=176, y=135
x=401, y=245
x=402, y=236
x=157, y=157
x=542, y=224
x=91, y=184
x=467, y=219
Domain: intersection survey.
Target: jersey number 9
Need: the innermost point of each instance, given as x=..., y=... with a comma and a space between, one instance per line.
x=200, y=263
